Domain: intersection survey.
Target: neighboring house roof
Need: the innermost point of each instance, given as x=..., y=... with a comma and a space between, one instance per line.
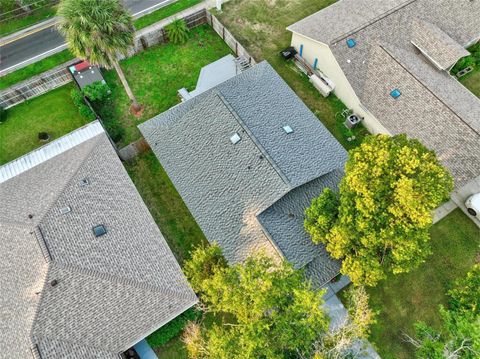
x=405, y=45
x=227, y=185
x=67, y=293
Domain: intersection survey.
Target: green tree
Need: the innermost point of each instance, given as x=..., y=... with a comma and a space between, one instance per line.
x=177, y=31
x=459, y=336
x=276, y=313
x=340, y=341
x=98, y=31
x=390, y=188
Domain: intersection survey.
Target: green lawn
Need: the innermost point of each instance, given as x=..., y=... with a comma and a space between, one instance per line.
x=155, y=76
x=472, y=81
x=53, y=113
x=21, y=22
x=165, y=204
x=35, y=68
x=260, y=26
x=65, y=55
x=164, y=12
x=404, y=299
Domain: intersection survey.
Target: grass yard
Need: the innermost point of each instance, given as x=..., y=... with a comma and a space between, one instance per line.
x=405, y=299
x=164, y=12
x=65, y=55
x=53, y=112
x=260, y=26
x=155, y=76
x=165, y=204
x=35, y=68
x=43, y=12
x=472, y=81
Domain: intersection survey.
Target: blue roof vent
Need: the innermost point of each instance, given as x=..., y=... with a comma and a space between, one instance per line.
x=351, y=43
x=395, y=93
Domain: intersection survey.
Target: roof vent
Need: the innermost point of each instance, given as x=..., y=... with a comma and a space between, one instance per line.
x=235, y=138
x=351, y=43
x=99, y=230
x=30, y=216
x=291, y=215
x=54, y=282
x=84, y=182
x=395, y=93
x=287, y=129
x=65, y=210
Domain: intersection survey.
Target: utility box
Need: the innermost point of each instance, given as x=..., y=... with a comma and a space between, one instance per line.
x=352, y=121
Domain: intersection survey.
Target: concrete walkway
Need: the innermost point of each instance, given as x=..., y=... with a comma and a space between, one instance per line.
x=443, y=211
x=144, y=350
x=339, y=316
x=460, y=195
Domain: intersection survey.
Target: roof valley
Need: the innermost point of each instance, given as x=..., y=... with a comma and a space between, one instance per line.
x=427, y=88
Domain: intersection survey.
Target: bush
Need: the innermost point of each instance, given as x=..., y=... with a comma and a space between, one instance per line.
x=3, y=114
x=96, y=91
x=177, y=31
x=114, y=129
x=172, y=328
x=83, y=109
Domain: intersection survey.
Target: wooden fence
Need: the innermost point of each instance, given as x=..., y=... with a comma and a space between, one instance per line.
x=229, y=39
x=149, y=36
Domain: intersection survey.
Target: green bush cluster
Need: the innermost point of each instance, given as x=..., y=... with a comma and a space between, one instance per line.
x=172, y=328
x=83, y=109
x=96, y=91
x=177, y=31
x=3, y=114
x=472, y=60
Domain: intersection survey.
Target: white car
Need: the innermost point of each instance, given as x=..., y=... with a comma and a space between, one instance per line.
x=473, y=205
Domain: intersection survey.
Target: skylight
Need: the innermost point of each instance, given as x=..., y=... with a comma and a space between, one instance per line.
x=351, y=43
x=235, y=138
x=287, y=129
x=395, y=93
x=99, y=230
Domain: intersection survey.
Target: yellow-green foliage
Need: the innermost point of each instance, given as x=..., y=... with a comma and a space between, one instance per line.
x=275, y=313
x=390, y=188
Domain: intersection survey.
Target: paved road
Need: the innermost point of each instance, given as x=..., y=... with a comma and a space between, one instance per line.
x=48, y=40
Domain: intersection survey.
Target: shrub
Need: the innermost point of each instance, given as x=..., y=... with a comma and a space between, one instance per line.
x=172, y=328
x=96, y=91
x=177, y=31
x=3, y=114
x=83, y=109
x=114, y=129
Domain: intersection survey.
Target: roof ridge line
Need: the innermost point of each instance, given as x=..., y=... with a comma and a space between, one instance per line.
x=253, y=138
x=426, y=87
x=371, y=22
x=64, y=187
x=119, y=280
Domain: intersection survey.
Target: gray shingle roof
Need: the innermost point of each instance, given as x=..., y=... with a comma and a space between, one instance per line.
x=227, y=185
x=112, y=290
x=433, y=107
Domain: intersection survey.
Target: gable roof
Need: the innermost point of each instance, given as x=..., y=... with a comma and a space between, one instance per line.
x=109, y=292
x=227, y=185
x=434, y=107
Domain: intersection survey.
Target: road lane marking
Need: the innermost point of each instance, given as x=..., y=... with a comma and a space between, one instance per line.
x=64, y=46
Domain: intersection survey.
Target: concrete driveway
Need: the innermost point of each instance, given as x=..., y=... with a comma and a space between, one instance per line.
x=459, y=196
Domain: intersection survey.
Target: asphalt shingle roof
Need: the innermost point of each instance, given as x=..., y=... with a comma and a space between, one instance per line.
x=433, y=107
x=227, y=185
x=111, y=291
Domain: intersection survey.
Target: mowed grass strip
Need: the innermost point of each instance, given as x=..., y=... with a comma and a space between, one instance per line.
x=53, y=112
x=165, y=204
x=404, y=299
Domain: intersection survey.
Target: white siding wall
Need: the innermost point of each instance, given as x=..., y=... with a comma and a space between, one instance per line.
x=329, y=66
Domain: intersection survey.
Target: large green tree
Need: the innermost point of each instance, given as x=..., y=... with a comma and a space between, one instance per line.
x=274, y=311
x=380, y=220
x=459, y=336
x=98, y=31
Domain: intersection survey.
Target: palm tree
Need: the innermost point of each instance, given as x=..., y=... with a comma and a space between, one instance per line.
x=98, y=31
